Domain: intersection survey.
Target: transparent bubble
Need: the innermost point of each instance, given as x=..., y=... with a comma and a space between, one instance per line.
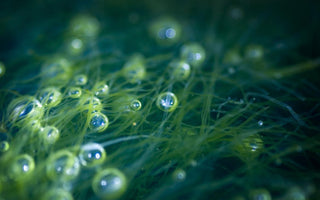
x=109, y=183
x=57, y=194
x=254, y=52
x=260, y=194
x=4, y=146
x=134, y=69
x=75, y=46
x=50, y=97
x=101, y=89
x=167, y=102
x=260, y=123
x=165, y=31
x=50, y=134
x=181, y=69
x=135, y=105
x=179, y=175
x=92, y=104
x=98, y=122
x=92, y=154
x=249, y=147
x=80, y=79
x=193, y=53
x=295, y=193
x=74, y=92
x=2, y=69
x=25, y=107
x=62, y=165
x=84, y=26
x=22, y=166
x=56, y=72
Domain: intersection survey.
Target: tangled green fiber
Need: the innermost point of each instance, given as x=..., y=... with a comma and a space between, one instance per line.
x=159, y=100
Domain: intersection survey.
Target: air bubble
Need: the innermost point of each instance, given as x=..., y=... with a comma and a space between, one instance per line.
x=50, y=97
x=4, y=146
x=2, y=69
x=22, y=166
x=232, y=57
x=75, y=46
x=50, y=134
x=74, y=92
x=135, y=105
x=109, y=183
x=166, y=31
x=98, y=122
x=92, y=104
x=260, y=123
x=167, y=102
x=193, y=53
x=101, y=89
x=92, y=154
x=134, y=69
x=57, y=194
x=179, y=175
x=62, y=165
x=25, y=107
x=254, y=52
x=84, y=26
x=249, y=147
x=80, y=79
x=181, y=69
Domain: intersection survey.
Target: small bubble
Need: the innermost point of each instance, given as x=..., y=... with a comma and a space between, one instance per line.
x=134, y=69
x=62, y=165
x=50, y=134
x=167, y=102
x=179, y=175
x=135, y=105
x=50, y=97
x=84, y=26
x=22, y=165
x=80, y=79
x=193, y=53
x=4, y=146
x=74, y=92
x=254, y=52
x=260, y=123
x=92, y=154
x=98, y=122
x=109, y=183
x=181, y=69
x=260, y=194
x=165, y=31
x=101, y=89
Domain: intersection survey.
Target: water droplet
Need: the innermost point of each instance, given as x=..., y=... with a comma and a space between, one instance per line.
x=260, y=194
x=165, y=31
x=260, y=123
x=134, y=69
x=80, y=79
x=135, y=105
x=101, y=89
x=62, y=165
x=50, y=134
x=56, y=72
x=74, y=92
x=98, y=122
x=181, y=69
x=4, y=146
x=179, y=175
x=92, y=154
x=167, y=102
x=254, y=52
x=24, y=108
x=193, y=53
x=50, y=97
x=109, y=183
x=22, y=166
